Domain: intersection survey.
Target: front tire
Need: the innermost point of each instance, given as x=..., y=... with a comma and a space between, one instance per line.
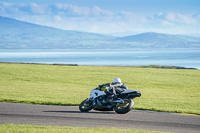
x=86, y=105
x=125, y=107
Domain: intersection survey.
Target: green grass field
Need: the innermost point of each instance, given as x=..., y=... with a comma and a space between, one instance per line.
x=171, y=90
x=12, y=128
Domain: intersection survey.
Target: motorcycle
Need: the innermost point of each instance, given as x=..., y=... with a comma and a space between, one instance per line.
x=100, y=101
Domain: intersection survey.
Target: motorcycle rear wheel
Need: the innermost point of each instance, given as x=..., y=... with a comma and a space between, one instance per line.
x=125, y=107
x=86, y=105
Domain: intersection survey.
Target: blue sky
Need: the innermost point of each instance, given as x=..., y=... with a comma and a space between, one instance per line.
x=116, y=17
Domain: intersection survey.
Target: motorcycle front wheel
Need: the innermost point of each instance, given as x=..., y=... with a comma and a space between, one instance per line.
x=86, y=105
x=125, y=107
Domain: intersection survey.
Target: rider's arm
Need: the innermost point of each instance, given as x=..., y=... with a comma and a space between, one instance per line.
x=124, y=86
x=102, y=86
x=105, y=85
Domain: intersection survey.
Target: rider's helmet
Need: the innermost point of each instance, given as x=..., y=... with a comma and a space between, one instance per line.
x=117, y=80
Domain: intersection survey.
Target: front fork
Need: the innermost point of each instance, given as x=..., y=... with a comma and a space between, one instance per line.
x=89, y=99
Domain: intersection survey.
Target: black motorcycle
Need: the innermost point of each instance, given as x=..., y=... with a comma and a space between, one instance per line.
x=98, y=100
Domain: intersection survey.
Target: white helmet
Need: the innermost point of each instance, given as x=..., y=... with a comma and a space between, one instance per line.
x=117, y=80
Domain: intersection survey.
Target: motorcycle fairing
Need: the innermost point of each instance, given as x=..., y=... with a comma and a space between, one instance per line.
x=127, y=91
x=131, y=93
x=95, y=93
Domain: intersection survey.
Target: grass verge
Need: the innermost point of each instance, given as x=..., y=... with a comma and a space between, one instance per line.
x=12, y=128
x=170, y=90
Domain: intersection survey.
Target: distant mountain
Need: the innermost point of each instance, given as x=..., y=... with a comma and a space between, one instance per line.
x=157, y=40
x=16, y=34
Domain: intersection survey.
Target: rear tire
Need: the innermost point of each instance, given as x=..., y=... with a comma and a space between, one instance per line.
x=125, y=107
x=86, y=105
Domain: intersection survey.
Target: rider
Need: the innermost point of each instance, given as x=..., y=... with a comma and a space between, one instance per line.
x=116, y=85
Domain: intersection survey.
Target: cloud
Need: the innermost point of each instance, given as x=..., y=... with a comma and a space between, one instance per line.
x=98, y=11
x=13, y=9
x=67, y=16
x=74, y=10
x=7, y=8
x=58, y=8
x=99, y=20
x=38, y=9
x=187, y=18
x=71, y=9
x=127, y=15
x=6, y=4
x=181, y=18
x=58, y=18
x=166, y=22
x=178, y=18
x=170, y=16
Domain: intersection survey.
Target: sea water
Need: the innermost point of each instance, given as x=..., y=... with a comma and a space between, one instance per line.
x=189, y=58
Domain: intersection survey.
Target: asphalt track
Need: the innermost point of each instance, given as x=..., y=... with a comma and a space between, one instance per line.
x=16, y=113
